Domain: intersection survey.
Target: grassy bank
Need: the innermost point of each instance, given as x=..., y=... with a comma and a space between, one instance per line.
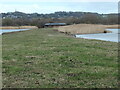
x=18, y=27
x=85, y=28
x=45, y=58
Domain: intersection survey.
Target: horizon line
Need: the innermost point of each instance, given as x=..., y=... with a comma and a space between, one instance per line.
x=60, y=11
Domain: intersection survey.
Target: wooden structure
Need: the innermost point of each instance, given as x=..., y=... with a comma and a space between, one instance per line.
x=54, y=24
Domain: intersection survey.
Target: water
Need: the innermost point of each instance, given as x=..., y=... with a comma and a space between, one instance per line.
x=11, y=30
x=113, y=37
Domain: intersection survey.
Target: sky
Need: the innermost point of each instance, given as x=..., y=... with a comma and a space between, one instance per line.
x=51, y=6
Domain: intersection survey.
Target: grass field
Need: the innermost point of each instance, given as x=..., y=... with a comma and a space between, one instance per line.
x=45, y=58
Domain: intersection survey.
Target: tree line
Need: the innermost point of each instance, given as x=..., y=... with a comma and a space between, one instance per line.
x=88, y=18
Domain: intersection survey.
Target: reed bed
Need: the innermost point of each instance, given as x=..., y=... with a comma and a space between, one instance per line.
x=18, y=27
x=85, y=28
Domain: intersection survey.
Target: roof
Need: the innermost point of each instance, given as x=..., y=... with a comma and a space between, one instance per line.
x=50, y=24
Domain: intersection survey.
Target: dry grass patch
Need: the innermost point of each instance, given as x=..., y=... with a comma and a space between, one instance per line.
x=85, y=28
x=112, y=26
x=17, y=27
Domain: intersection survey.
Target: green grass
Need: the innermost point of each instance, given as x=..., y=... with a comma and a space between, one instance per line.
x=45, y=58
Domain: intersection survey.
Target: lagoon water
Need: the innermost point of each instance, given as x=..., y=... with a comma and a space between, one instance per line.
x=101, y=36
x=11, y=30
x=113, y=37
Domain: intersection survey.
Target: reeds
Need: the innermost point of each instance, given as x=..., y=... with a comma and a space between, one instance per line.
x=85, y=28
x=17, y=27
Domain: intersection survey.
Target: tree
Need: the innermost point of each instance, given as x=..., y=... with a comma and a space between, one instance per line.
x=90, y=19
x=7, y=22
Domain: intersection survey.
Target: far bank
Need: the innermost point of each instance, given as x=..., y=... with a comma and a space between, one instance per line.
x=73, y=29
x=86, y=28
x=18, y=27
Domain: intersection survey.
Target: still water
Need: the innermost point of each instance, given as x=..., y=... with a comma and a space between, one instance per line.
x=11, y=30
x=101, y=36
x=113, y=37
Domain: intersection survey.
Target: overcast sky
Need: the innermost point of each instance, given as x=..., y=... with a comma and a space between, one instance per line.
x=50, y=6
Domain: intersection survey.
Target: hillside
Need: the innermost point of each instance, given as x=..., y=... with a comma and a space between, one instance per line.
x=60, y=14
x=35, y=19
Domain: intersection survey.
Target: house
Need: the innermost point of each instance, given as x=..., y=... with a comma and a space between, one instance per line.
x=54, y=24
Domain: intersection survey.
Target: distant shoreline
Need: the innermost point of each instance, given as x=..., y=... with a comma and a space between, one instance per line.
x=74, y=29
x=26, y=27
x=18, y=27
